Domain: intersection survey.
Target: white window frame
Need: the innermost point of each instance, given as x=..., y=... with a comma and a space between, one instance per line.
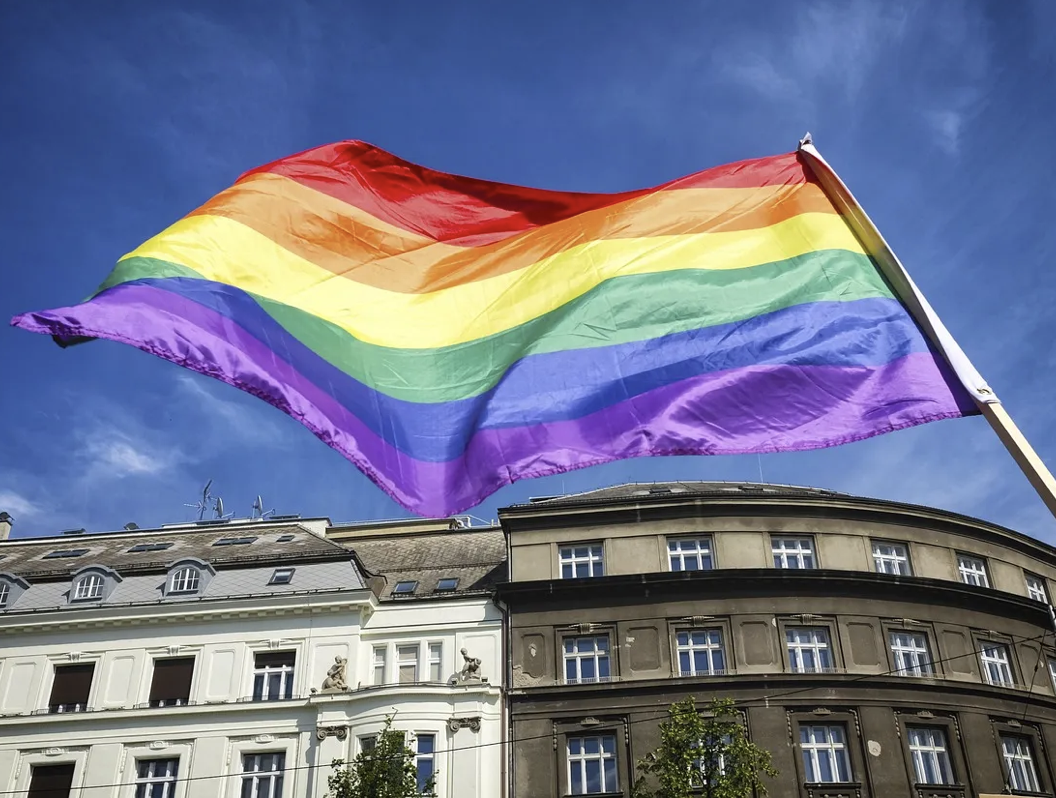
x=403, y=659
x=578, y=762
x=78, y=758
x=972, y=570
x=379, y=660
x=837, y=750
x=5, y=593
x=928, y=744
x=911, y=654
x=89, y=587
x=798, y=550
x=268, y=782
x=707, y=647
x=435, y=652
x=698, y=549
x=169, y=781
x=821, y=648
x=287, y=677
x=1018, y=754
x=1036, y=588
x=891, y=558
x=595, y=654
x=1052, y=672
x=593, y=562
x=185, y=580
x=996, y=657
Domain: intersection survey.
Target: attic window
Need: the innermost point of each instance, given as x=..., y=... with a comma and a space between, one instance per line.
x=405, y=588
x=52, y=555
x=447, y=584
x=234, y=541
x=150, y=547
x=281, y=576
x=284, y=538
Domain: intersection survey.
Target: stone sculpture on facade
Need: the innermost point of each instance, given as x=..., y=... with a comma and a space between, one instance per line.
x=335, y=677
x=470, y=670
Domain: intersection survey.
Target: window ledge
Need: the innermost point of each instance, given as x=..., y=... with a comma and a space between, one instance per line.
x=840, y=789
x=940, y=790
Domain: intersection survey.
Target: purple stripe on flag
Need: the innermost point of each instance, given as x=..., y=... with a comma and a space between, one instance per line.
x=740, y=411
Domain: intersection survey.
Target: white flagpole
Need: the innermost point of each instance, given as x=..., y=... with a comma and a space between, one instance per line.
x=989, y=405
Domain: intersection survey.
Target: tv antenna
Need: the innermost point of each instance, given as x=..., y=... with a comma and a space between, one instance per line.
x=259, y=511
x=203, y=503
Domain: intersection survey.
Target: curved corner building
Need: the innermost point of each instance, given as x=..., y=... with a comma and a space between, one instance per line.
x=874, y=648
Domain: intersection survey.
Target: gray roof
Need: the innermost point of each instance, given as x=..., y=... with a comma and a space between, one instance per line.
x=246, y=569
x=476, y=557
x=634, y=490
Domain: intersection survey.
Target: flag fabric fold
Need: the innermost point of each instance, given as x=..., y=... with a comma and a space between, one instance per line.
x=450, y=335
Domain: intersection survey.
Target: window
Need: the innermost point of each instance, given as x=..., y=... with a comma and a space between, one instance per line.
x=379, y=664
x=5, y=593
x=808, y=649
x=1019, y=762
x=909, y=652
x=700, y=652
x=793, y=552
x=447, y=584
x=972, y=570
x=368, y=743
x=185, y=580
x=70, y=690
x=404, y=588
x=825, y=758
x=51, y=781
x=281, y=576
x=149, y=547
x=1052, y=672
x=931, y=757
x=891, y=558
x=262, y=775
x=436, y=656
x=88, y=588
x=698, y=776
x=995, y=663
x=234, y=541
x=407, y=663
x=170, y=686
x=65, y=553
x=273, y=675
x=284, y=538
x=587, y=659
x=424, y=763
x=156, y=778
x=592, y=765
x=581, y=561
x=1036, y=589
x=690, y=554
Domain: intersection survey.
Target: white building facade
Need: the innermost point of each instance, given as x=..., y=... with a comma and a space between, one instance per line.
x=193, y=662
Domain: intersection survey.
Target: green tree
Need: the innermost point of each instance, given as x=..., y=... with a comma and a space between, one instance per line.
x=707, y=755
x=385, y=771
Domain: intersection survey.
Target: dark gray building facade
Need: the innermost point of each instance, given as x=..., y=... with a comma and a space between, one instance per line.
x=875, y=649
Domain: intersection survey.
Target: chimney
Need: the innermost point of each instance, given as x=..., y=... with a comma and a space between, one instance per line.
x=5, y=525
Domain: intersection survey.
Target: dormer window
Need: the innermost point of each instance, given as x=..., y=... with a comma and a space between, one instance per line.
x=188, y=577
x=88, y=588
x=11, y=587
x=185, y=580
x=93, y=583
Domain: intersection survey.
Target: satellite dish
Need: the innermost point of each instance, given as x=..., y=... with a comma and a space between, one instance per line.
x=259, y=511
x=218, y=509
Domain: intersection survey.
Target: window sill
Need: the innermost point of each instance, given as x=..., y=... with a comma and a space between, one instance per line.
x=836, y=789
x=939, y=790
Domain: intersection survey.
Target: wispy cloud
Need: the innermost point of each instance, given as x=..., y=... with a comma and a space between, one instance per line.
x=242, y=417
x=17, y=504
x=946, y=129
x=115, y=454
x=831, y=50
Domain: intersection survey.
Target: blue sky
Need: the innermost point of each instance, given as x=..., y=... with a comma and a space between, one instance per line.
x=118, y=118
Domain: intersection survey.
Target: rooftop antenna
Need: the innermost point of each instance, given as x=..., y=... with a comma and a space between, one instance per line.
x=218, y=510
x=203, y=503
x=259, y=511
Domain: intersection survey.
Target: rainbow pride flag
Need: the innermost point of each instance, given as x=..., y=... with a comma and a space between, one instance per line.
x=450, y=335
